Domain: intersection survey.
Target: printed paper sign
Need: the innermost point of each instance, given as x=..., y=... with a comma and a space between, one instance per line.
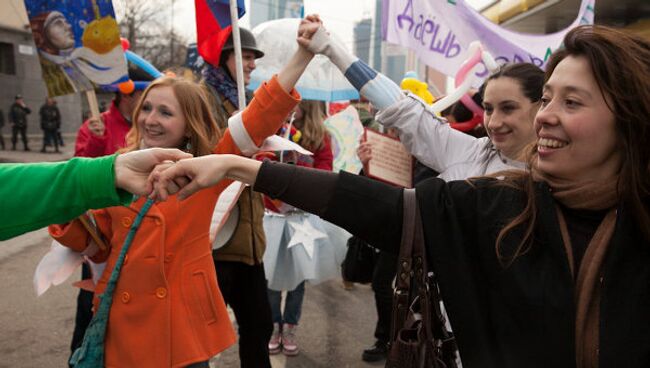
x=440, y=31
x=78, y=44
x=390, y=161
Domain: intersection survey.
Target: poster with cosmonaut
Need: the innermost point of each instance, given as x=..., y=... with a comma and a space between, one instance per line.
x=78, y=44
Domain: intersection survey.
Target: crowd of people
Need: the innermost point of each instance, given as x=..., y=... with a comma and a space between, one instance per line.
x=537, y=232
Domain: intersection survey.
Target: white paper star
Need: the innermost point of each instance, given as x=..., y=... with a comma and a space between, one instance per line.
x=306, y=234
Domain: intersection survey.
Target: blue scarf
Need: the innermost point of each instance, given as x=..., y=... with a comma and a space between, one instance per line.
x=220, y=80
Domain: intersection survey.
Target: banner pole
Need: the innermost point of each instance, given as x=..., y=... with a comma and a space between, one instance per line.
x=234, y=18
x=92, y=103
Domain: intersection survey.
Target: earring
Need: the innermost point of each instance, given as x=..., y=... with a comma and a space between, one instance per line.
x=188, y=146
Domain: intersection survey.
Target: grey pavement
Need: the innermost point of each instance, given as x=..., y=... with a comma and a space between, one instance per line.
x=35, y=143
x=335, y=327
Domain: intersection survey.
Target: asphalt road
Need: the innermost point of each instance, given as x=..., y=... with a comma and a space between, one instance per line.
x=335, y=327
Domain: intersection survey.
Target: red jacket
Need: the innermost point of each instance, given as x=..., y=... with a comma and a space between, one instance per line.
x=323, y=159
x=167, y=309
x=90, y=145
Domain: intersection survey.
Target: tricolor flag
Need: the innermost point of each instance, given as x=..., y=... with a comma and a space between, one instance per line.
x=213, y=26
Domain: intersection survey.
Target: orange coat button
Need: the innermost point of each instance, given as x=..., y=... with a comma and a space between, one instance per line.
x=126, y=297
x=158, y=222
x=168, y=257
x=126, y=222
x=161, y=293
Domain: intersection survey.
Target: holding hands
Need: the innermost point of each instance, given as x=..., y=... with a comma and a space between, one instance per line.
x=186, y=177
x=132, y=169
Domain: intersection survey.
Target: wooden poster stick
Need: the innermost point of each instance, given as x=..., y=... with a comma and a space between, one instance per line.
x=92, y=232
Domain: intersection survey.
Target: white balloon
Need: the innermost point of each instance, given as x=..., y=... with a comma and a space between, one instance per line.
x=454, y=96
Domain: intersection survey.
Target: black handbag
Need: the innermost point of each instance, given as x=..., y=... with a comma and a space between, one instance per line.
x=359, y=263
x=419, y=337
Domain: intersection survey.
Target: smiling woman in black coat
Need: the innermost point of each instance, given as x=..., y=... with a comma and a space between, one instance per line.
x=545, y=268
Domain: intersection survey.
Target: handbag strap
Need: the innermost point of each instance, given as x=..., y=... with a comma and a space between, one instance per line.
x=401, y=294
x=413, y=272
x=405, y=265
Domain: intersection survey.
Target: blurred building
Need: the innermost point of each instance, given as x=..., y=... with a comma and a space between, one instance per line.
x=548, y=16
x=20, y=71
x=362, y=34
x=265, y=10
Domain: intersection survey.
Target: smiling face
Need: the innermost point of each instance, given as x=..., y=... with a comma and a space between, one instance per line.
x=509, y=116
x=248, y=61
x=576, y=129
x=161, y=121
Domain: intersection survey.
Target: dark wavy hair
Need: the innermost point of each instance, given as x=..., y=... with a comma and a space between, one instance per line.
x=620, y=63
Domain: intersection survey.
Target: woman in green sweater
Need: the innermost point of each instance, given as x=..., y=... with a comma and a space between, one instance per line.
x=36, y=195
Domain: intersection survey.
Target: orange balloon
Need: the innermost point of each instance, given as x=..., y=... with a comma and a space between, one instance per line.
x=127, y=87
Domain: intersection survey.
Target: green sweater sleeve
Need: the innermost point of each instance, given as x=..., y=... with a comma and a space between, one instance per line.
x=36, y=195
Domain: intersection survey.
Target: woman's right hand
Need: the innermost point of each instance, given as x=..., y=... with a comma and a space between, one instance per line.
x=96, y=126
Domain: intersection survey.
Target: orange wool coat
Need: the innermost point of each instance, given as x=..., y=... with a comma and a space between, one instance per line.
x=167, y=309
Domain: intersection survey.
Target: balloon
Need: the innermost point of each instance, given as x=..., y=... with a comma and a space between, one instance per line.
x=456, y=94
x=143, y=64
x=465, y=79
x=418, y=88
x=466, y=126
x=126, y=87
x=411, y=74
x=125, y=43
x=489, y=62
x=476, y=52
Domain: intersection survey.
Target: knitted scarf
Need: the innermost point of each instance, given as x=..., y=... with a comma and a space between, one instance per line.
x=219, y=79
x=592, y=195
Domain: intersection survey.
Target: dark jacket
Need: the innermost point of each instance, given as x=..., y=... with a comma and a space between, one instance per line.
x=18, y=115
x=248, y=242
x=521, y=316
x=50, y=117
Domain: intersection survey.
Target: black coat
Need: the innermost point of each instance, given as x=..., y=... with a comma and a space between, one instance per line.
x=50, y=117
x=18, y=115
x=522, y=316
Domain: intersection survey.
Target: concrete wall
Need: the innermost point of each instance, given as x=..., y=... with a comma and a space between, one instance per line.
x=28, y=82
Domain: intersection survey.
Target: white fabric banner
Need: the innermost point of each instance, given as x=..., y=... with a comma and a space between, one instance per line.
x=440, y=31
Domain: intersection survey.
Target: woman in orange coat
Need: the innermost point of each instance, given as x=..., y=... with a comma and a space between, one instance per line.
x=167, y=309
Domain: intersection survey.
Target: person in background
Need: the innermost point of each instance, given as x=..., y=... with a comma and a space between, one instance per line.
x=309, y=117
x=50, y=124
x=511, y=99
x=18, y=117
x=104, y=135
x=239, y=263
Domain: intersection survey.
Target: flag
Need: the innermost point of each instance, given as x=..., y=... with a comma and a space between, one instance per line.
x=213, y=26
